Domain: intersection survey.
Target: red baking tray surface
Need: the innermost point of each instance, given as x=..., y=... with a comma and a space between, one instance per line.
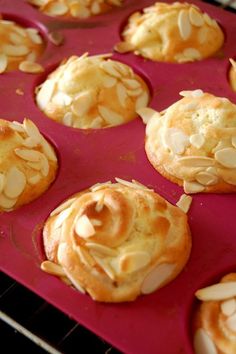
x=156, y=323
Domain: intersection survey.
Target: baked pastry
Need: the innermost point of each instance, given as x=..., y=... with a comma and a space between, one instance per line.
x=177, y=32
x=92, y=92
x=116, y=241
x=215, y=318
x=18, y=44
x=75, y=8
x=232, y=74
x=28, y=164
x=193, y=142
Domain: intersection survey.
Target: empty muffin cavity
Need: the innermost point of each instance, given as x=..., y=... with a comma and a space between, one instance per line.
x=92, y=92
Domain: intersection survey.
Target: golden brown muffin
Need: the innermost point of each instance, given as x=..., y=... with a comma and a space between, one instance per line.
x=18, y=44
x=92, y=92
x=75, y=8
x=117, y=241
x=232, y=74
x=215, y=318
x=28, y=164
x=178, y=32
x=193, y=142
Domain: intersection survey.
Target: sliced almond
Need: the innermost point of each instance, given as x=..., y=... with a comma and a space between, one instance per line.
x=62, y=99
x=30, y=142
x=52, y=268
x=184, y=25
x=124, y=47
x=84, y=256
x=83, y=227
x=44, y=165
x=82, y=103
x=197, y=140
x=196, y=161
x=15, y=50
x=192, y=53
x=3, y=63
x=57, y=9
x=48, y=150
x=79, y=10
x=234, y=141
x=184, y=202
x=135, y=93
x=6, y=203
x=105, y=266
x=2, y=182
x=111, y=117
x=109, y=67
x=147, y=113
x=217, y=292
x=34, y=35
x=32, y=56
x=131, y=83
x=203, y=344
x=28, y=155
x=109, y=81
x=193, y=187
x=15, y=182
x=68, y=119
x=142, y=101
x=45, y=93
x=96, y=123
x=195, y=93
x=133, y=261
x=231, y=322
x=18, y=127
x=63, y=206
x=100, y=204
x=157, y=277
x=34, y=179
x=228, y=307
x=61, y=218
x=195, y=17
x=32, y=130
x=226, y=157
x=206, y=178
x=121, y=94
x=56, y=38
x=30, y=67
x=101, y=250
x=208, y=20
x=176, y=140
x=132, y=184
x=95, y=8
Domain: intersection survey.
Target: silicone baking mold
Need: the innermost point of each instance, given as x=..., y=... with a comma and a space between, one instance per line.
x=160, y=322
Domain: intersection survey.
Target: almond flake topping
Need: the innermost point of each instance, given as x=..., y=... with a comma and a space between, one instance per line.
x=228, y=307
x=217, y=292
x=7, y=203
x=101, y=250
x=147, y=113
x=15, y=50
x=131, y=83
x=57, y=9
x=61, y=218
x=2, y=182
x=105, y=266
x=206, y=178
x=133, y=261
x=32, y=130
x=109, y=81
x=45, y=93
x=110, y=116
x=82, y=103
x=193, y=187
x=109, y=67
x=124, y=47
x=34, y=179
x=203, y=343
x=30, y=67
x=142, y=101
x=226, y=157
x=3, y=63
x=184, y=202
x=195, y=17
x=83, y=227
x=28, y=155
x=196, y=161
x=176, y=140
x=197, y=140
x=15, y=182
x=63, y=206
x=122, y=94
x=231, y=322
x=157, y=277
x=195, y=93
x=52, y=268
x=184, y=24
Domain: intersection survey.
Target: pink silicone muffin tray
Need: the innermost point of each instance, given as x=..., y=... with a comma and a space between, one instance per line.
x=156, y=323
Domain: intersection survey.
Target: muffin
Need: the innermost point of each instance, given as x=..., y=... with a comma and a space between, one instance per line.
x=215, y=318
x=116, y=241
x=75, y=8
x=92, y=92
x=18, y=44
x=193, y=142
x=28, y=164
x=177, y=32
x=232, y=74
